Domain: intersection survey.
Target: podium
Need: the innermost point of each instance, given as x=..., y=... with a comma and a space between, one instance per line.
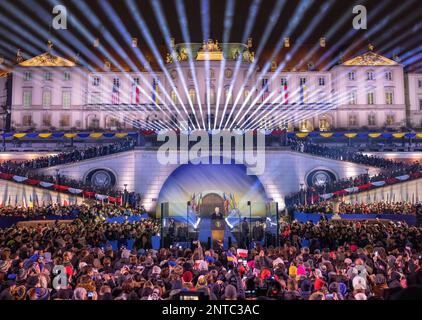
x=218, y=227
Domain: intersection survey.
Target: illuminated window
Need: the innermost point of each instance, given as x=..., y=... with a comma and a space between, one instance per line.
x=47, y=76
x=27, y=76
x=228, y=95
x=46, y=99
x=27, y=120
x=370, y=97
x=371, y=119
x=173, y=96
x=353, y=120
x=352, y=97
x=390, y=119
x=212, y=95
x=96, y=81
x=27, y=98
x=389, y=97
x=370, y=75
x=246, y=93
x=388, y=76
x=66, y=99
x=46, y=120
x=192, y=95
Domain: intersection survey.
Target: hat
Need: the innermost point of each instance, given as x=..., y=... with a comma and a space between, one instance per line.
x=348, y=261
x=187, y=276
x=19, y=293
x=172, y=263
x=359, y=283
x=156, y=270
x=38, y=294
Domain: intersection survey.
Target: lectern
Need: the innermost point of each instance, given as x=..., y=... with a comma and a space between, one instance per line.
x=218, y=227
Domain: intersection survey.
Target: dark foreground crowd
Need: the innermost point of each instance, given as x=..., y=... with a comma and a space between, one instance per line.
x=324, y=261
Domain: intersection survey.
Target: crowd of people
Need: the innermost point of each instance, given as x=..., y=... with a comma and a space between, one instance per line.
x=323, y=261
x=342, y=154
x=380, y=207
x=389, y=169
x=28, y=168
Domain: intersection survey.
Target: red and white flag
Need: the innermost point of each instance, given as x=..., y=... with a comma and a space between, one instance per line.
x=285, y=94
x=136, y=94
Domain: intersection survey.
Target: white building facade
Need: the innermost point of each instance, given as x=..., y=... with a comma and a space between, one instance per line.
x=213, y=86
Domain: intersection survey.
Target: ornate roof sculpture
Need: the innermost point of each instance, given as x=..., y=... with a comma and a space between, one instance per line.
x=47, y=60
x=211, y=50
x=370, y=58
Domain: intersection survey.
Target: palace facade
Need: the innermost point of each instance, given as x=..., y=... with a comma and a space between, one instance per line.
x=210, y=85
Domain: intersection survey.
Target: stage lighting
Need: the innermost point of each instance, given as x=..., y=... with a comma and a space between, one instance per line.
x=273, y=66
x=134, y=42
x=322, y=42
x=107, y=65
x=1, y=60
x=96, y=42
x=287, y=42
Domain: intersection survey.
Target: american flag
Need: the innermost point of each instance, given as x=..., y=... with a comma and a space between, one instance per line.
x=285, y=94
x=115, y=94
x=136, y=95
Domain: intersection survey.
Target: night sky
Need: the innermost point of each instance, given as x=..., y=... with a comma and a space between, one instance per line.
x=394, y=28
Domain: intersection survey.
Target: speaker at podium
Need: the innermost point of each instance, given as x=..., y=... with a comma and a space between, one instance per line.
x=218, y=228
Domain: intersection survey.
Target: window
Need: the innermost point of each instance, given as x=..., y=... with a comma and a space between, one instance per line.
x=66, y=99
x=173, y=96
x=27, y=120
x=136, y=81
x=352, y=97
x=65, y=120
x=390, y=119
x=370, y=97
x=27, y=99
x=420, y=83
x=371, y=119
x=388, y=76
x=212, y=95
x=46, y=120
x=228, y=95
x=192, y=95
x=353, y=120
x=27, y=76
x=47, y=76
x=370, y=75
x=351, y=75
x=246, y=93
x=389, y=97
x=283, y=81
x=46, y=99
x=302, y=81
x=321, y=81
x=420, y=104
x=96, y=81
x=66, y=76
x=116, y=82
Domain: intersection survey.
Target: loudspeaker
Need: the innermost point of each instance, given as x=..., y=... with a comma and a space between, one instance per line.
x=188, y=203
x=230, y=242
x=249, y=203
